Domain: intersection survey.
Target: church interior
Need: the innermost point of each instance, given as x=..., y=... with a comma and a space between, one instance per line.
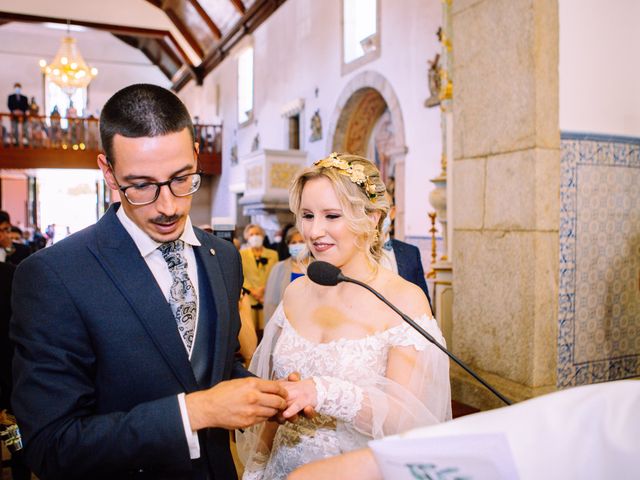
x=509, y=132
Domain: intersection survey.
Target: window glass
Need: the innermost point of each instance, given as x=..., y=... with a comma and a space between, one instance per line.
x=360, y=28
x=245, y=85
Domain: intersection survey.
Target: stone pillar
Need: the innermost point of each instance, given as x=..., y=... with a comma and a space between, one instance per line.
x=506, y=149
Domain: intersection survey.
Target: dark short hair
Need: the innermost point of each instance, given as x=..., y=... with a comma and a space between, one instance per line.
x=142, y=110
x=4, y=217
x=15, y=229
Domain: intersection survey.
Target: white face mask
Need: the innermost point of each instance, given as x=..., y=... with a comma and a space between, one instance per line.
x=386, y=225
x=255, y=241
x=18, y=90
x=295, y=249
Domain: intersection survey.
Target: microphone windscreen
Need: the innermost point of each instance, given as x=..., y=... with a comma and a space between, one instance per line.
x=323, y=273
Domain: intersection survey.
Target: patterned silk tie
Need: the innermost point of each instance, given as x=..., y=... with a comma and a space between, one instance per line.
x=182, y=296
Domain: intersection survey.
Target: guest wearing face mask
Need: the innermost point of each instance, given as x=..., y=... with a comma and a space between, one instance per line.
x=18, y=106
x=401, y=257
x=284, y=272
x=257, y=262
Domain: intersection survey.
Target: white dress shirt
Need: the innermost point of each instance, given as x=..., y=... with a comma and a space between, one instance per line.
x=155, y=261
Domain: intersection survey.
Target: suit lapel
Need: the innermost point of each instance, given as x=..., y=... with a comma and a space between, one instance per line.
x=121, y=259
x=211, y=264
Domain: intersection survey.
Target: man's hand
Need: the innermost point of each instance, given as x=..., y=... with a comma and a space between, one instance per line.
x=234, y=404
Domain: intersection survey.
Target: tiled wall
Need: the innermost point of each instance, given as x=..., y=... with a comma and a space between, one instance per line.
x=599, y=304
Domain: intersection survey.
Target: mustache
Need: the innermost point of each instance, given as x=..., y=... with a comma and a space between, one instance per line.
x=164, y=219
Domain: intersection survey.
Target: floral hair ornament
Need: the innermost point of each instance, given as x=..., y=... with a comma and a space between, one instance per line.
x=355, y=172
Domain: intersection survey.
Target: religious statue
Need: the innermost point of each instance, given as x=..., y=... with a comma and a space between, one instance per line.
x=256, y=143
x=316, y=127
x=434, y=82
x=234, y=154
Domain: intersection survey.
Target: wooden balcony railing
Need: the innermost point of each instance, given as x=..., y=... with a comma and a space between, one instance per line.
x=59, y=142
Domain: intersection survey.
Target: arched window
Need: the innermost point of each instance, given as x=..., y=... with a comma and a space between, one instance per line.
x=360, y=33
x=55, y=96
x=245, y=86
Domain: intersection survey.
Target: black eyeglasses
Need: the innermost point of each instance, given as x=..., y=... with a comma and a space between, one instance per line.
x=148, y=192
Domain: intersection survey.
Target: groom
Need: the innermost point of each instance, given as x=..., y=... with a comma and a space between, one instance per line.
x=126, y=332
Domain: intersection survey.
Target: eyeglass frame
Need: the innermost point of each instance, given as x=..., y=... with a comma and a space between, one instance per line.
x=158, y=185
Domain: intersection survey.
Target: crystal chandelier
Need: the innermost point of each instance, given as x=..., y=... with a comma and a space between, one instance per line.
x=68, y=69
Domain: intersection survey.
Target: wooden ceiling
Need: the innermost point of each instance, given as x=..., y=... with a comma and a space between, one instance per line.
x=210, y=27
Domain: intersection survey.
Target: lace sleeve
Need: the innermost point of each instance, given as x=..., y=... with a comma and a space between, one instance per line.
x=415, y=390
x=254, y=443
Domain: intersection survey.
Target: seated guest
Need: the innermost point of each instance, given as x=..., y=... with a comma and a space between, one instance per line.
x=282, y=247
x=257, y=262
x=10, y=251
x=283, y=273
x=19, y=470
x=588, y=432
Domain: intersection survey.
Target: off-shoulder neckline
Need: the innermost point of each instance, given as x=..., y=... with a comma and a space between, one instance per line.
x=386, y=332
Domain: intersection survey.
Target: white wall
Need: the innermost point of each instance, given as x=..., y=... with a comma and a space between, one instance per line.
x=118, y=64
x=599, y=67
x=133, y=13
x=298, y=50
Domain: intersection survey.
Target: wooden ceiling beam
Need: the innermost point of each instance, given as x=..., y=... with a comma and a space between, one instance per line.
x=108, y=27
x=157, y=60
x=160, y=35
x=239, y=6
x=257, y=13
x=169, y=51
x=184, y=30
x=207, y=19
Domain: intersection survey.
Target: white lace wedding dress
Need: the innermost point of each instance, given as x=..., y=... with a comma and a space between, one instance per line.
x=359, y=397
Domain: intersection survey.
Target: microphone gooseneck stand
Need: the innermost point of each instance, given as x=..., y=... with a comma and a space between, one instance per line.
x=426, y=335
x=325, y=274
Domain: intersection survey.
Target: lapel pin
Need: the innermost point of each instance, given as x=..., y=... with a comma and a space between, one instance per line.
x=212, y=251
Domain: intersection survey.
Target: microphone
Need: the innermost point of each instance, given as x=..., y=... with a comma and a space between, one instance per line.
x=328, y=275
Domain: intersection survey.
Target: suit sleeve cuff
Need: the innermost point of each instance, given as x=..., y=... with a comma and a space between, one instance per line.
x=191, y=436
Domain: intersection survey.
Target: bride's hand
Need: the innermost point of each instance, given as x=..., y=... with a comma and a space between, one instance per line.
x=301, y=395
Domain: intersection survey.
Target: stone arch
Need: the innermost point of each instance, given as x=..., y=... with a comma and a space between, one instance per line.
x=366, y=100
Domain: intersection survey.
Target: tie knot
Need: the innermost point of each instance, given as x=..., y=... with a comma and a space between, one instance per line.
x=173, y=253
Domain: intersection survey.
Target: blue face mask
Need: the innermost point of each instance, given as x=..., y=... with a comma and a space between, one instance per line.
x=295, y=249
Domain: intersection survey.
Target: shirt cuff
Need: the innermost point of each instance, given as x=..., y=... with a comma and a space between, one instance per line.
x=191, y=436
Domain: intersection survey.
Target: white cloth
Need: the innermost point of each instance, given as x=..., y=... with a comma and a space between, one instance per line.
x=155, y=261
x=589, y=432
x=357, y=401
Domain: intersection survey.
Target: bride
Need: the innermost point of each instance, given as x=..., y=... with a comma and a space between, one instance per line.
x=364, y=371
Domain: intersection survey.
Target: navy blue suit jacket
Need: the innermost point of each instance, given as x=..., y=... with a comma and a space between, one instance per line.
x=99, y=362
x=410, y=264
x=18, y=102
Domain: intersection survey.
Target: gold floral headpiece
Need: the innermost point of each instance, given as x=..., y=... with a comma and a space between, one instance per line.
x=355, y=172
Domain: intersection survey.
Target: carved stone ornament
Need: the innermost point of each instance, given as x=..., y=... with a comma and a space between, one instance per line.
x=316, y=127
x=434, y=82
x=233, y=153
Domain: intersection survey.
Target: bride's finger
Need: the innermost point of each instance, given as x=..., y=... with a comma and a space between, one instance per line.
x=292, y=410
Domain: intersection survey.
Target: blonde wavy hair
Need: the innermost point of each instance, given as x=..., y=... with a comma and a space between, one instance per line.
x=358, y=199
